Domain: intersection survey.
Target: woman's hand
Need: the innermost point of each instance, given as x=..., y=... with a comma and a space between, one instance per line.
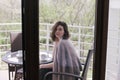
x=41, y=66
x=58, y=38
x=49, y=65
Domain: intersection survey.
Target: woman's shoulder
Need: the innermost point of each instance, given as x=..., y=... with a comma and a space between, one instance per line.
x=65, y=40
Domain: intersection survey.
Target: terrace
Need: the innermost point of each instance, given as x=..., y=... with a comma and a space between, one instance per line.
x=81, y=36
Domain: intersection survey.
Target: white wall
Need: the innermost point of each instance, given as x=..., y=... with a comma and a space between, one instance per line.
x=113, y=52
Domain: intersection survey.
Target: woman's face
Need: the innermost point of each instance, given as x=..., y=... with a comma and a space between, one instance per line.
x=59, y=31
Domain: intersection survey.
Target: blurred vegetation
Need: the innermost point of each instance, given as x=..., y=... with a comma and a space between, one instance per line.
x=73, y=12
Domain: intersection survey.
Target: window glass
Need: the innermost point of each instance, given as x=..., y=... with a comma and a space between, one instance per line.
x=113, y=45
x=10, y=22
x=79, y=15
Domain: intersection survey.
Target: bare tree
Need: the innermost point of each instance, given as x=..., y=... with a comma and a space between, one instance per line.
x=71, y=11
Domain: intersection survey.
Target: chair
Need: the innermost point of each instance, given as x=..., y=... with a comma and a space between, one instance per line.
x=19, y=74
x=16, y=44
x=84, y=72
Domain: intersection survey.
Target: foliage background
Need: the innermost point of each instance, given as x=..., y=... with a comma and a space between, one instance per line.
x=74, y=12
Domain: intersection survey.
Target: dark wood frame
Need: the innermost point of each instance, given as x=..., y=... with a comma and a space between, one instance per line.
x=100, y=46
x=30, y=39
x=30, y=30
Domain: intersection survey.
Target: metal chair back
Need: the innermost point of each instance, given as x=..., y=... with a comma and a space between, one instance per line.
x=16, y=44
x=16, y=41
x=84, y=72
x=86, y=65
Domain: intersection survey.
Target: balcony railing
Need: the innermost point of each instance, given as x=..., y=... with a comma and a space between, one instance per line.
x=81, y=36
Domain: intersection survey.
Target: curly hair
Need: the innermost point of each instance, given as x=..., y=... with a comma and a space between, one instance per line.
x=65, y=27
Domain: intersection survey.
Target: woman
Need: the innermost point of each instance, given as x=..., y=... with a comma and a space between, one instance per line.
x=65, y=58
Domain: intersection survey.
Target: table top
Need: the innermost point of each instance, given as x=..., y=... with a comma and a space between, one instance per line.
x=15, y=58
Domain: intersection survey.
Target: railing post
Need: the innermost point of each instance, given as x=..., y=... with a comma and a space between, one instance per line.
x=79, y=40
x=47, y=41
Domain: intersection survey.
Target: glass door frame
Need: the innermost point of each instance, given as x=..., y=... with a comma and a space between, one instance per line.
x=30, y=32
x=100, y=39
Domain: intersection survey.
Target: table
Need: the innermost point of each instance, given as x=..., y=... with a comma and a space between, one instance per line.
x=15, y=58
